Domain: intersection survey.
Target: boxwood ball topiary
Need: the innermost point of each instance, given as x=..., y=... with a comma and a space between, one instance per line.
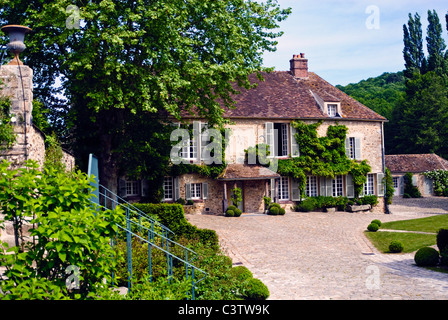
x=396, y=246
x=274, y=211
x=281, y=211
x=378, y=222
x=255, y=290
x=237, y=212
x=426, y=257
x=230, y=213
x=241, y=273
x=373, y=227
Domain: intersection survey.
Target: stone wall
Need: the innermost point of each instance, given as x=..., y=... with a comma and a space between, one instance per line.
x=30, y=141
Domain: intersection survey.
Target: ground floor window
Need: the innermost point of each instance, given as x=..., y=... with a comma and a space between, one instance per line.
x=168, y=191
x=396, y=182
x=283, y=188
x=369, y=186
x=195, y=189
x=131, y=188
x=311, y=186
x=337, y=186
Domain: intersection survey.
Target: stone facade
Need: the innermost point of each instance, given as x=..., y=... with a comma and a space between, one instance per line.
x=30, y=141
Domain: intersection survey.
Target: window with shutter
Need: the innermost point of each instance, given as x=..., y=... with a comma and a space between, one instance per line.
x=349, y=186
x=176, y=188
x=295, y=192
x=358, y=155
x=204, y=190
x=187, y=191
x=380, y=184
x=295, y=152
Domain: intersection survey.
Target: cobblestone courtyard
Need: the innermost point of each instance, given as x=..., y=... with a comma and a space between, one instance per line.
x=320, y=255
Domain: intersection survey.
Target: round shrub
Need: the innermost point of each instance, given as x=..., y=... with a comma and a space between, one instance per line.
x=275, y=204
x=274, y=211
x=241, y=273
x=230, y=213
x=396, y=246
x=237, y=212
x=426, y=256
x=232, y=207
x=378, y=222
x=254, y=289
x=281, y=211
x=373, y=227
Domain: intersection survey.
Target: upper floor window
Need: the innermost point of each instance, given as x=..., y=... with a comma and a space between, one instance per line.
x=353, y=148
x=280, y=137
x=332, y=110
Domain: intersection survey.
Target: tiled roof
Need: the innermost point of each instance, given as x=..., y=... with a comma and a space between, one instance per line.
x=247, y=172
x=415, y=163
x=282, y=96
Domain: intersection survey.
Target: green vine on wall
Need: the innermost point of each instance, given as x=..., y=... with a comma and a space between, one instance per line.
x=7, y=135
x=322, y=156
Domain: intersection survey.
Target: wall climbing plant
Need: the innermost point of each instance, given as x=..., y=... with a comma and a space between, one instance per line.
x=7, y=135
x=322, y=156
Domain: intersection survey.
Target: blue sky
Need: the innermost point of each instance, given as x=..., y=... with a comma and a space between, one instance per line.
x=340, y=47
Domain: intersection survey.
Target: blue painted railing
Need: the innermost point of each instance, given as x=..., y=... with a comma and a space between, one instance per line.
x=155, y=234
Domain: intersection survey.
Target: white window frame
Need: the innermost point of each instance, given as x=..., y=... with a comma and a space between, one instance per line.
x=396, y=182
x=369, y=186
x=285, y=139
x=168, y=184
x=132, y=188
x=352, y=150
x=283, y=189
x=338, y=186
x=332, y=110
x=196, y=191
x=311, y=186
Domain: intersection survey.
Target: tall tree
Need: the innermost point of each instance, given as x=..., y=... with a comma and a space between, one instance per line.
x=414, y=56
x=435, y=43
x=141, y=56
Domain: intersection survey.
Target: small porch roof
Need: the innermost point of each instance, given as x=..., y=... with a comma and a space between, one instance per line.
x=247, y=172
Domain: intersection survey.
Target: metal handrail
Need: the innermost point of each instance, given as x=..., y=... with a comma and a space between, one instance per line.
x=165, y=247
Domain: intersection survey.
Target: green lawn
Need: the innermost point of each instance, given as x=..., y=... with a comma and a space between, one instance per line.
x=428, y=224
x=411, y=241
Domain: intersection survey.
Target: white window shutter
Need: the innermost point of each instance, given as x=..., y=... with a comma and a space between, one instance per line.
x=414, y=180
x=329, y=185
x=187, y=191
x=272, y=189
x=295, y=152
x=295, y=192
x=323, y=186
x=204, y=190
x=402, y=182
x=205, y=140
x=380, y=184
x=349, y=186
x=176, y=188
x=347, y=147
x=269, y=135
x=358, y=154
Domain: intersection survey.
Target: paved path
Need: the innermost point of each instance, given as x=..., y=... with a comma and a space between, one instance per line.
x=324, y=256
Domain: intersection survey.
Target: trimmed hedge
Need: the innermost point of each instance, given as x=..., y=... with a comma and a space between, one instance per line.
x=172, y=216
x=427, y=257
x=255, y=289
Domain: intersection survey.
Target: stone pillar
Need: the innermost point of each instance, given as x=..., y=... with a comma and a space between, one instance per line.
x=17, y=85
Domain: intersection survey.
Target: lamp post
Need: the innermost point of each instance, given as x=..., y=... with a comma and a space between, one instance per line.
x=16, y=40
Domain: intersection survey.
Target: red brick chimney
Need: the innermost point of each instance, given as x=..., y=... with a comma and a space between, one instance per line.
x=299, y=66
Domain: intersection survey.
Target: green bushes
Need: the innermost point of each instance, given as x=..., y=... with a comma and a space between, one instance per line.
x=426, y=257
x=321, y=202
x=233, y=211
x=274, y=209
x=172, y=216
x=254, y=289
x=378, y=222
x=241, y=273
x=396, y=246
x=442, y=244
x=410, y=191
x=373, y=227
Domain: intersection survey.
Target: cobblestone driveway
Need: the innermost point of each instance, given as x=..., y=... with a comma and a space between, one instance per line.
x=325, y=255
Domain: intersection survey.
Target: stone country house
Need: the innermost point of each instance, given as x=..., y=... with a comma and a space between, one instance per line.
x=416, y=164
x=284, y=96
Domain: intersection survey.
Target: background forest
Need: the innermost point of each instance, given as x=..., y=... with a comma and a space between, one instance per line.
x=415, y=100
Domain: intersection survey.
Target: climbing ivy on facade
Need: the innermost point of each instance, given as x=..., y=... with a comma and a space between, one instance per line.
x=322, y=156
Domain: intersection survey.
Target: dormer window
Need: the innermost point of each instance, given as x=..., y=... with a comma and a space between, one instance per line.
x=332, y=110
